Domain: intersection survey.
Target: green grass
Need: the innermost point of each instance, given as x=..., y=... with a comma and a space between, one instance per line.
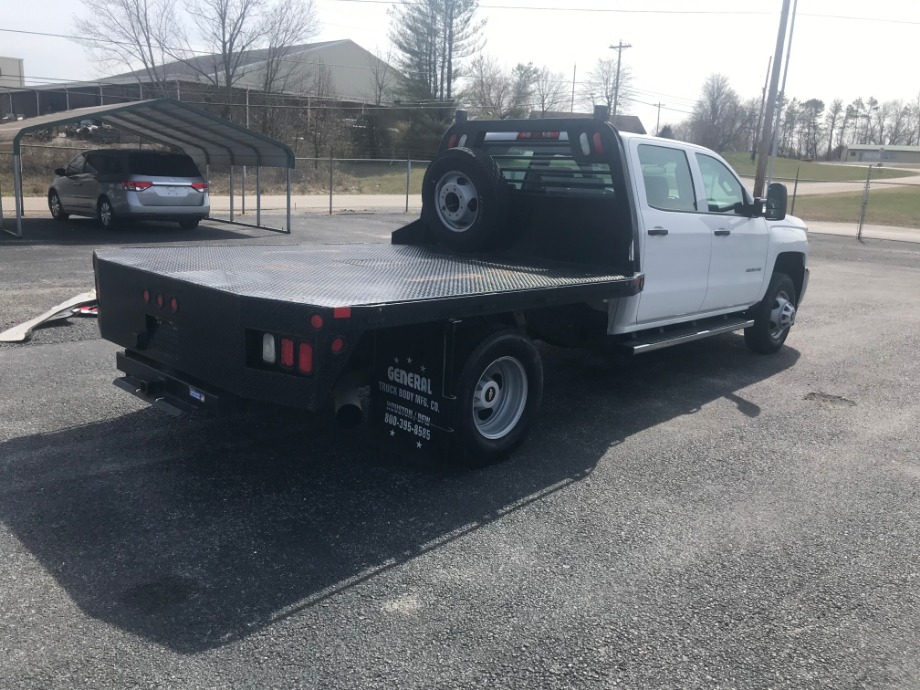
x=898, y=207
x=785, y=169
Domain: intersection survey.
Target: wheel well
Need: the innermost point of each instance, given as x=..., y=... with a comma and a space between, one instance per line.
x=793, y=265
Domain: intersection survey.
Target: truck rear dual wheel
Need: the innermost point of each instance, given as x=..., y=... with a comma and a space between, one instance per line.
x=498, y=391
x=773, y=317
x=464, y=200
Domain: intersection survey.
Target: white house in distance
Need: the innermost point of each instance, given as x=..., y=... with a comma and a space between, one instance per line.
x=877, y=153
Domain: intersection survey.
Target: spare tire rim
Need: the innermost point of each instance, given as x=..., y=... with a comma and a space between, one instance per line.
x=457, y=201
x=782, y=315
x=500, y=398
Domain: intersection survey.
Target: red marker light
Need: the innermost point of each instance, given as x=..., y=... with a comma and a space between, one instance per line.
x=160, y=301
x=174, y=305
x=337, y=345
x=146, y=296
x=305, y=358
x=598, y=144
x=287, y=352
x=341, y=313
x=316, y=321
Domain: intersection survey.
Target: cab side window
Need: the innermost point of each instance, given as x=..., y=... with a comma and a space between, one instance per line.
x=667, y=178
x=723, y=190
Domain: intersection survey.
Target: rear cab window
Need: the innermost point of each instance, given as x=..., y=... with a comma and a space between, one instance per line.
x=544, y=163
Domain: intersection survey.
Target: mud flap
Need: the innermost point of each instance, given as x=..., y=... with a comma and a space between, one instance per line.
x=410, y=405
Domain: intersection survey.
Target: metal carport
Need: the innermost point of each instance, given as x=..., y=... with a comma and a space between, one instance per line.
x=204, y=136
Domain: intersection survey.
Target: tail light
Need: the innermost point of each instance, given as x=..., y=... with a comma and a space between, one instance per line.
x=305, y=358
x=200, y=186
x=135, y=186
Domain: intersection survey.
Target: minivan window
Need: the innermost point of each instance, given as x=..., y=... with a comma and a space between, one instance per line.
x=162, y=164
x=75, y=167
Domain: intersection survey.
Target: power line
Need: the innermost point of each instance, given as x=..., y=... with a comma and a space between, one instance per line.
x=613, y=10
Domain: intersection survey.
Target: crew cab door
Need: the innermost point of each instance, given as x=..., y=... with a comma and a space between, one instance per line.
x=675, y=240
x=739, y=243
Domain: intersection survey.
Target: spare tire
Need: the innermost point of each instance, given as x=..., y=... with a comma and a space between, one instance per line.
x=464, y=200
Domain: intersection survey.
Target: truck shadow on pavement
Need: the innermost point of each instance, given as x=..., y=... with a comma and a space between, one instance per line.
x=195, y=533
x=86, y=231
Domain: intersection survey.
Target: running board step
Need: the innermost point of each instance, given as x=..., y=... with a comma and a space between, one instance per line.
x=658, y=340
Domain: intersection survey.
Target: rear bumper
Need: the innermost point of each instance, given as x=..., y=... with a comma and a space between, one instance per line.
x=171, y=392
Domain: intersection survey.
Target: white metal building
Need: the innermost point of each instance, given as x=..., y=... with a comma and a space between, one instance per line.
x=875, y=153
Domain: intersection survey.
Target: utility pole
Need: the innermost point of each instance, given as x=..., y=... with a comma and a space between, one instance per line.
x=574, y=69
x=763, y=101
x=619, y=47
x=658, y=119
x=766, y=137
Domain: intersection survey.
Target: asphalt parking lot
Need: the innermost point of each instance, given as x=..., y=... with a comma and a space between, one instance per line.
x=699, y=517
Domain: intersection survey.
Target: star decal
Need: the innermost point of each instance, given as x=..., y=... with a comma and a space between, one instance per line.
x=418, y=444
x=396, y=360
x=409, y=360
x=392, y=433
x=423, y=368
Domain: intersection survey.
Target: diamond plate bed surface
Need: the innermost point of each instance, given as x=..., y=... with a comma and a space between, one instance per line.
x=349, y=275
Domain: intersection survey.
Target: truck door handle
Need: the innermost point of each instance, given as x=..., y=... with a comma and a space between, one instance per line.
x=658, y=231
x=722, y=232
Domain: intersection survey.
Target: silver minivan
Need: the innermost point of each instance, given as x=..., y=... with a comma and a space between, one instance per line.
x=130, y=184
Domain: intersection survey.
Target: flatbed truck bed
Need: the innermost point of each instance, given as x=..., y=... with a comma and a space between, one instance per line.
x=208, y=327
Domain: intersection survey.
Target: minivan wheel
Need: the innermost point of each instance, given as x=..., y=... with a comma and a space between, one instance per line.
x=57, y=208
x=105, y=214
x=188, y=223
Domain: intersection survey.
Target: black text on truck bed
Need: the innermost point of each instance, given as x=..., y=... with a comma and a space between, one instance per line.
x=561, y=230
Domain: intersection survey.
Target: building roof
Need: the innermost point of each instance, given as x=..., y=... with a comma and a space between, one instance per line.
x=876, y=147
x=623, y=123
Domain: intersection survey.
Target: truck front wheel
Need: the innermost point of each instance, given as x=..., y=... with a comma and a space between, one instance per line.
x=773, y=317
x=498, y=391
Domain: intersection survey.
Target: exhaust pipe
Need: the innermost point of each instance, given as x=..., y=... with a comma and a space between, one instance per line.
x=346, y=395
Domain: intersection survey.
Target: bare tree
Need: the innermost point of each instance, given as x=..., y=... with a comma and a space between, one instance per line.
x=286, y=25
x=325, y=126
x=607, y=85
x=549, y=90
x=135, y=34
x=719, y=120
x=831, y=119
x=489, y=90
x=228, y=29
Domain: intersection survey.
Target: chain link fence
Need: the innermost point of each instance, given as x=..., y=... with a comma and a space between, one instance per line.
x=316, y=183
x=336, y=184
